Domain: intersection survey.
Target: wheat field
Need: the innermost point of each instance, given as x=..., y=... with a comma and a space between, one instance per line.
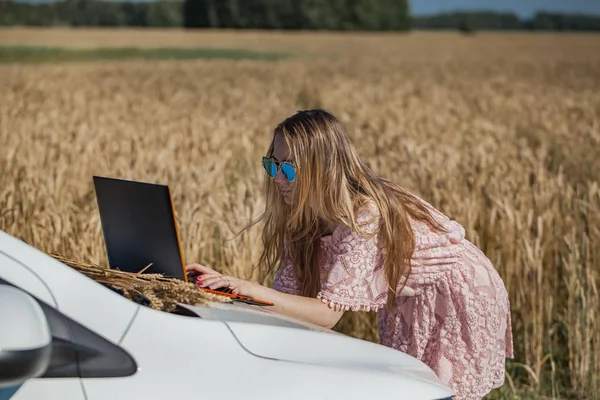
x=499, y=131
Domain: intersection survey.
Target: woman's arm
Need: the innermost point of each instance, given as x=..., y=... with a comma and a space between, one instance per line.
x=303, y=308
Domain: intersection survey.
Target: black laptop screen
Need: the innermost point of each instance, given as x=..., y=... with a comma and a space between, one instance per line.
x=139, y=226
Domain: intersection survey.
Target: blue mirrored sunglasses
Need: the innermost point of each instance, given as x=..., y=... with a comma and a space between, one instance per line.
x=287, y=168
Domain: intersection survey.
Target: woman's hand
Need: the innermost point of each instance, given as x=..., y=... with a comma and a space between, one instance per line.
x=195, y=270
x=208, y=277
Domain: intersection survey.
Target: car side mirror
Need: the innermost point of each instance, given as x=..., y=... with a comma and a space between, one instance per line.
x=25, y=338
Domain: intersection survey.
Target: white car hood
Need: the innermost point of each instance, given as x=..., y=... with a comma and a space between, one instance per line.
x=270, y=335
x=240, y=312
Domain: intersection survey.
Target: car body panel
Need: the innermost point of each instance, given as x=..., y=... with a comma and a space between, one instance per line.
x=315, y=348
x=205, y=357
x=50, y=389
x=278, y=337
x=18, y=274
x=241, y=312
x=76, y=295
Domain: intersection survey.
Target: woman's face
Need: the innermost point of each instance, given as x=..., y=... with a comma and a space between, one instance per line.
x=281, y=153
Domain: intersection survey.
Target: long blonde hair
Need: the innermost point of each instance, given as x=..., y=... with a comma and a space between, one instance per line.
x=331, y=183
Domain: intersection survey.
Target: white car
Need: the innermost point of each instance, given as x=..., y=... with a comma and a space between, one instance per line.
x=64, y=336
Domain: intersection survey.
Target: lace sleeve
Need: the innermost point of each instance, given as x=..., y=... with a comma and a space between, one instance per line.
x=354, y=280
x=285, y=279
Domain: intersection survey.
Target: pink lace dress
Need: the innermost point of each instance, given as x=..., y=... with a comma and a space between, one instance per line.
x=453, y=313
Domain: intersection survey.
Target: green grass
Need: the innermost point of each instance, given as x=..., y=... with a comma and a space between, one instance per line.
x=31, y=54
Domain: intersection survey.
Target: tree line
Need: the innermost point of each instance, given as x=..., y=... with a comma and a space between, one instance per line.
x=369, y=15
x=541, y=21
x=237, y=14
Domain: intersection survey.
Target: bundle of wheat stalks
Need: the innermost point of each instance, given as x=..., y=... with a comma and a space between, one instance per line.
x=153, y=290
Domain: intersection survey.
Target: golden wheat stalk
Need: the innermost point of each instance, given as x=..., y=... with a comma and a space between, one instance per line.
x=162, y=293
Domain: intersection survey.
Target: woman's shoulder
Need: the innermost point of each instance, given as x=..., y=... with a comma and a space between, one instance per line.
x=423, y=229
x=366, y=221
x=368, y=214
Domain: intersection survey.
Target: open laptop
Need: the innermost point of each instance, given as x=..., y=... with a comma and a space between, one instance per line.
x=139, y=227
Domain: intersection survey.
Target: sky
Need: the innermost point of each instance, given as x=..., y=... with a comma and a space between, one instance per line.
x=523, y=8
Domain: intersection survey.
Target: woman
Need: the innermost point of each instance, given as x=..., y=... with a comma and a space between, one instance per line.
x=346, y=239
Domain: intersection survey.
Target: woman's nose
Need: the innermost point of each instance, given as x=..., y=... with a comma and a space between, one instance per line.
x=279, y=178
